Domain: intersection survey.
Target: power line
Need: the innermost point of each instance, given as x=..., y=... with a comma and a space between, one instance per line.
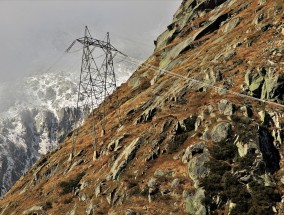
x=164, y=71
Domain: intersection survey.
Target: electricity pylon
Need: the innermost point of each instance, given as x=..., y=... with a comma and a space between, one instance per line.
x=97, y=81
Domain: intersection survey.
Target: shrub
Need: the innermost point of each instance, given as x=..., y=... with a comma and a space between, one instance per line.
x=68, y=201
x=246, y=161
x=224, y=150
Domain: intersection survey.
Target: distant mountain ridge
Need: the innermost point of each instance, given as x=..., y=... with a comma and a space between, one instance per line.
x=36, y=124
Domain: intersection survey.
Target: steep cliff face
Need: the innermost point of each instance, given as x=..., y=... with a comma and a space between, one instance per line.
x=184, y=147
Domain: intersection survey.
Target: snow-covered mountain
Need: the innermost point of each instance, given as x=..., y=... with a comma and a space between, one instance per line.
x=36, y=115
x=39, y=119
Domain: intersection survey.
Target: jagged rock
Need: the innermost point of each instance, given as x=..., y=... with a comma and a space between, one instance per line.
x=114, y=144
x=264, y=117
x=229, y=54
x=167, y=124
x=245, y=148
x=134, y=82
x=153, y=182
x=211, y=76
x=247, y=111
x=153, y=185
x=261, y=2
x=175, y=183
x=231, y=206
x=83, y=197
x=125, y=157
x=231, y=25
x=255, y=86
x=197, y=123
x=193, y=203
x=34, y=210
x=73, y=211
x=258, y=18
x=265, y=84
x=147, y=116
x=154, y=154
x=159, y=173
x=175, y=96
x=197, y=168
x=91, y=209
x=221, y=132
x=225, y=107
x=188, y=124
x=185, y=194
x=206, y=134
x=111, y=196
x=272, y=87
x=192, y=150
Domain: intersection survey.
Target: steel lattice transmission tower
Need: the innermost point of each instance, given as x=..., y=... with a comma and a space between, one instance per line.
x=97, y=80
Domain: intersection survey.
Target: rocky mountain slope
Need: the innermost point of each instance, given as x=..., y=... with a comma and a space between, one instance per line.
x=183, y=146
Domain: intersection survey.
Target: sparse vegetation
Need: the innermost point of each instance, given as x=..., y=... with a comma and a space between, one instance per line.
x=68, y=201
x=222, y=182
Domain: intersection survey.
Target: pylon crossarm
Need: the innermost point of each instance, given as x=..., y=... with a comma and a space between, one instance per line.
x=87, y=42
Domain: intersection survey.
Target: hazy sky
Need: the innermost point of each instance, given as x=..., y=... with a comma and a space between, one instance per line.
x=35, y=33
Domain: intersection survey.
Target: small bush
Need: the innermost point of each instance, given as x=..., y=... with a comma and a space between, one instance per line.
x=246, y=161
x=224, y=151
x=68, y=201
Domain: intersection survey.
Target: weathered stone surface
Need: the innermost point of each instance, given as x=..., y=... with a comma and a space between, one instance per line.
x=192, y=150
x=154, y=154
x=266, y=85
x=225, y=107
x=91, y=209
x=147, y=116
x=175, y=183
x=34, y=210
x=193, y=203
x=231, y=25
x=159, y=173
x=153, y=185
x=196, y=167
x=273, y=87
x=256, y=85
x=244, y=148
x=125, y=157
x=221, y=131
x=247, y=111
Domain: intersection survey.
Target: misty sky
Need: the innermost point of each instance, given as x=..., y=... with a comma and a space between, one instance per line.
x=34, y=33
